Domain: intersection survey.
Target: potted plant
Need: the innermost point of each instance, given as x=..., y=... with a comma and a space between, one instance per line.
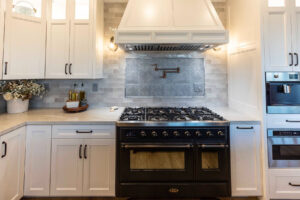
x=17, y=94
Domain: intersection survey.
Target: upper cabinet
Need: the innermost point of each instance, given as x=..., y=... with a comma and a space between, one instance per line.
x=281, y=35
x=1, y=33
x=74, y=39
x=24, y=43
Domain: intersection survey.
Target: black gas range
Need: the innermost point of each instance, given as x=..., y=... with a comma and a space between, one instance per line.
x=172, y=153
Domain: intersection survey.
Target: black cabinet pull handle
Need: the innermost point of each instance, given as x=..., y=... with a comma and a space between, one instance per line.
x=66, y=65
x=70, y=68
x=80, y=151
x=294, y=185
x=245, y=128
x=84, y=131
x=291, y=121
x=5, y=69
x=85, y=153
x=297, y=59
x=5, y=149
x=292, y=59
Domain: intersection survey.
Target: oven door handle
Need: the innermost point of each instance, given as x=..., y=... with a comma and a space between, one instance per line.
x=156, y=146
x=210, y=146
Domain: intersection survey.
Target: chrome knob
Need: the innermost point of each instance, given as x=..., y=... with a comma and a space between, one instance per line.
x=176, y=133
x=165, y=133
x=220, y=133
x=187, y=134
x=209, y=133
x=154, y=133
x=143, y=134
x=198, y=133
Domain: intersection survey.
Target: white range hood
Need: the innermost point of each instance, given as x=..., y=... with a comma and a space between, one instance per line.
x=170, y=25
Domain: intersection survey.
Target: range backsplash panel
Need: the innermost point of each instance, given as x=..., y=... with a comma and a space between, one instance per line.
x=141, y=80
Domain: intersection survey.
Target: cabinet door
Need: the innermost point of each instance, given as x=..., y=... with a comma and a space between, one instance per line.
x=25, y=39
x=58, y=39
x=66, y=167
x=12, y=165
x=295, y=12
x=245, y=160
x=278, y=36
x=38, y=157
x=99, y=167
x=81, y=40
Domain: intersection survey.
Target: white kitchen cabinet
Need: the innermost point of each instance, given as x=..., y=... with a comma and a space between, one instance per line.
x=66, y=167
x=284, y=183
x=38, y=161
x=75, y=39
x=282, y=35
x=83, y=167
x=12, y=164
x=99, y=168
x=25, y=36
x=278, y=36
x=245, y=160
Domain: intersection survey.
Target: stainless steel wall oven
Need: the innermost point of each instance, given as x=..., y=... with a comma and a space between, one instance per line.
x=284, y=148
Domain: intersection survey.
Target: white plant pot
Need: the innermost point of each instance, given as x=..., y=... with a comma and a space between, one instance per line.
x=17, y=106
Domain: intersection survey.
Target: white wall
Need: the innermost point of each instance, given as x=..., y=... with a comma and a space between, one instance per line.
x=244, y=56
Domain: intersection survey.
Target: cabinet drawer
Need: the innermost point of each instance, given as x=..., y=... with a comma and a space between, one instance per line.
x=283, y=121
x=284, y=184
x=84, y=131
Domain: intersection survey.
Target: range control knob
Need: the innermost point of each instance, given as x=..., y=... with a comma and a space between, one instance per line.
x=154, y=134
x=221, y=133
x=198, y=133
x=187, y=134
x=165, y=133
x=176, y=134
x=143, y=134
x=209, y=134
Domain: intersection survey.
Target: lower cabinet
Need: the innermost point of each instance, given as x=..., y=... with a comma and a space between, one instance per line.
x=12, y=164
x=38, y=161
x=83, y=167
x=284, y=183
x=245, y=160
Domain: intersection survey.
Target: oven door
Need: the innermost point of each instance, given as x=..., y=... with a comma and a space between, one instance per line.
x=284, y=151
x=213, y=163
x=156, y=162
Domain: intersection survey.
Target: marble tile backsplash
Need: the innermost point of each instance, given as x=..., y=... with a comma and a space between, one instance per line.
x=206, y=84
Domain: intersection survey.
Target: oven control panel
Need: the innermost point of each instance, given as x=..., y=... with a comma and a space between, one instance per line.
x=178, y=133
x=283, y=133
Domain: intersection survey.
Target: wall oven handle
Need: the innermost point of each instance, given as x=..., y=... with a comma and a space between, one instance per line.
x=292, y=121
x=245, y=128
x=294, y=185
x=208, y=146
x=156, y=146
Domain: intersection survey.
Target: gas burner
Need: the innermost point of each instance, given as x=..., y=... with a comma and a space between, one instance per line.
x=170, y=114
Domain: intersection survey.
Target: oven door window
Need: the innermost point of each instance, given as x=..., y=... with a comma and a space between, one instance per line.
x=157, y=160
x=156, y=163
x=286, y=152
x=210, y=160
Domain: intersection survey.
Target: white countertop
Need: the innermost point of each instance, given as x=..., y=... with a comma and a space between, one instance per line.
x=9, y=122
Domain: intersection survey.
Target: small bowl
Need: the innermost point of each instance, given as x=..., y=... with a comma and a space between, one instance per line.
x=72, y=104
